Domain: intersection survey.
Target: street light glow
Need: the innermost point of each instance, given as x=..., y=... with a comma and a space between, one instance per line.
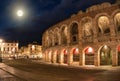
x=90, y=50
x=1, y=40
x=105, y=47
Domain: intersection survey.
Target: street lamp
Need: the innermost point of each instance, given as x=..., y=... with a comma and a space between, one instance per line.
x=1, y=40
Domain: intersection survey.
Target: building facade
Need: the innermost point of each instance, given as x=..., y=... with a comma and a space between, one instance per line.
x=31, y=51
x=86, y=38
x=8, y=49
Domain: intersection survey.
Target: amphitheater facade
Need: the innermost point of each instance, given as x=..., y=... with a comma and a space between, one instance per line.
x=86, y=38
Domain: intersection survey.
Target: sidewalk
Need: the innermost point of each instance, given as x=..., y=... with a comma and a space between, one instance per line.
x=25, y=76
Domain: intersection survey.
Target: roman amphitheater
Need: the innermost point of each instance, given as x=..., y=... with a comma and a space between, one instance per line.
x=86, y=38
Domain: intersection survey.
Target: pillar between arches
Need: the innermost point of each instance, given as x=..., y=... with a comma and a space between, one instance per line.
x=61, y=59
x=70, y=60
x=112, y=26
x=82, y=60
x=114, y=59
x=44, y=57
x=97, y=59
x=54, y=58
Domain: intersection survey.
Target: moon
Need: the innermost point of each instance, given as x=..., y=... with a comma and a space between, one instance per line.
x=20, y=13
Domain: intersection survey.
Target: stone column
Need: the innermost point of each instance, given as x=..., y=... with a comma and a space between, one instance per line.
x=70, y=57
x=80, y=43
x=114, y=58
x=95, y=31
x=44, y=57
x=49, y=57
x=112, y=28
x=68, y=36
x=54, y=58
x=82, y=59
x=60, y=40
x=97, y=59
x=61, y=58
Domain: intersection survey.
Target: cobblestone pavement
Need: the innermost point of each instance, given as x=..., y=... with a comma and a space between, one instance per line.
x=29, y=71
x=4, y=76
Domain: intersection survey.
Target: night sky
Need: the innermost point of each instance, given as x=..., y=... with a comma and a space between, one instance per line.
x=38, y=16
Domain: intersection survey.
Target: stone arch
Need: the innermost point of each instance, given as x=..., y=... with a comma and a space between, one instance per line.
x=64, y=56
x=116, y=19
x=54, y=56
x=87, y=29
x=116, y=25
x=74, y=32
x=103, y=24
x=51, y=38
x=64, y=33
x=50, y=56
x=74, y=55
x=105, y=5
x=57, y=56
x=46, y=39
x=88, y=56
x=105, y=55
x=92, y=8
x=56, y=36
x=46, y=55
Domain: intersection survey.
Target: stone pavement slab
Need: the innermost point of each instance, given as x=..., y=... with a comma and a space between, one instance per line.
x=86, y=73
x=4, y=76
x=23, y=75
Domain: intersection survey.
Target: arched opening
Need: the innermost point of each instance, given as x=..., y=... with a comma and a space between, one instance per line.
x=87, y=30
x=56, y=38
x=52, y=58
x=89, y=56
x=50, y=40
x=74, y=33
x=118, y=55
x=47, y=42
x=103, y=24
x=65, y=56
x=64, y=35
x=117, y=21
x=105, y=55
x=57, y=57
x=49, y=56
x=76, y=55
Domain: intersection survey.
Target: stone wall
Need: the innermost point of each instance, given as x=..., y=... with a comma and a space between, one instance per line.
x=99, y=26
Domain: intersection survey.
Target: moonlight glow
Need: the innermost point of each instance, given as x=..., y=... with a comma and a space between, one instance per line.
x=20, y=13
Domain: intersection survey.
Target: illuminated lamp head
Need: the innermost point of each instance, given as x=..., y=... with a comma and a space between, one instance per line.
x=89, y=50
x=75, y=51
x=105, y=47
x=65, y=52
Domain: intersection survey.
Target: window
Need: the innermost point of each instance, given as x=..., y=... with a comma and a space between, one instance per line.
x=74, y=33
